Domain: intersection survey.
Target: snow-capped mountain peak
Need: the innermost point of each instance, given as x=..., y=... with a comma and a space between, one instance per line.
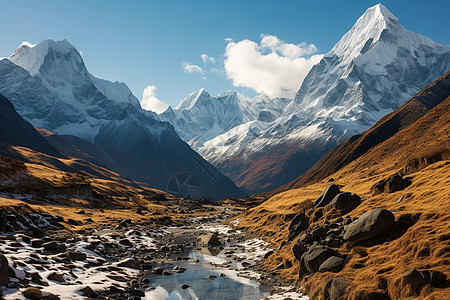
x=192, y=98
x=31, y=56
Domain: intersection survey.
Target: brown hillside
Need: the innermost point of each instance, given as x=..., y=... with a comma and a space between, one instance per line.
x=392, y=123
x=421, y=151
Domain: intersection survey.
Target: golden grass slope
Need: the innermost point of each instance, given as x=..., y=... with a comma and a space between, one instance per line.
x=422, y=152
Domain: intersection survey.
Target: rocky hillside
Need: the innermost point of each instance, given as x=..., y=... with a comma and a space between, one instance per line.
x=378, y=227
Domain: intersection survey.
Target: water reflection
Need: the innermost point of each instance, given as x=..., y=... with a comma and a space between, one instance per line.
x=201, y=287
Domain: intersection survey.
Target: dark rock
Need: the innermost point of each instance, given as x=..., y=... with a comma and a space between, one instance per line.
x=56, y=277
x=166, y=273
x=316, y=256
x=209, y=239
x=299, y=249
x=335, y=289
x=298, y=224
x=345, y=202
x=185, y=286
x=126, y=242
x=131, y=263
x=73, y=222
x=81, y=212
x=37, y=243
x=333, y=264
x=158, y=271
x=117, y=278
x=269, y=253
x=36, y=232
x=371, y=224
x=50, y=246
x=75, y=255
x=391, y=184
x=88, y=292
x=139, y=211
x=328, y=194
x=4, y=275
x=222, y=275
x=137, y=293
x=35, y=293
x=212, y=277
x=319, y=231
x=35, y=277
x=419, y=278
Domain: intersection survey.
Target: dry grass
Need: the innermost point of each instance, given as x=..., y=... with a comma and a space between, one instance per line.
x=379, y=267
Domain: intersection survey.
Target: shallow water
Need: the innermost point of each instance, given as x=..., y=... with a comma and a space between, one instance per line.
x=201, y=287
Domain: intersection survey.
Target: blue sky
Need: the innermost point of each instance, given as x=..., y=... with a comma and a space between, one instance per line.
x=157, y=42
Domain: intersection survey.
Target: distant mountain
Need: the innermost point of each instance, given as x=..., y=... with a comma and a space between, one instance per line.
x=15, y=131
x=390, y=125
x=51, y=88
x=370, y=72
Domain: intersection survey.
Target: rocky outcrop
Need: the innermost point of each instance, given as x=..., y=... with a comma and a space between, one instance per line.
x=371, y=224
x=330, y=192
x=345, y=202
x=418, y=278
x=311, y=260
x=298, y=224
x=335, y=289
x=393, y=183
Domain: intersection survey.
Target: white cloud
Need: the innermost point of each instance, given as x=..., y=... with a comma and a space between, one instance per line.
x=192, y=68
x=273, y=67
x=151, y=102
x=207, y=59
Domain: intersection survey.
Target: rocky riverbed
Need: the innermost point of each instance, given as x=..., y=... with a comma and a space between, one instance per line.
x=179, y=260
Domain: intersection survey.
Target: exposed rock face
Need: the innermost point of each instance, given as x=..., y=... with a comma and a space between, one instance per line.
x=74, y=255
x=4, y=276
x=345, y=202
x=371, y=224
x=391, y=184
x=327, y=195
x=209, y=239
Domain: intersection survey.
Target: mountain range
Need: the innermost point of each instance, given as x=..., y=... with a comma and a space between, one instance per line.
x=263, y=143
x=50, y=87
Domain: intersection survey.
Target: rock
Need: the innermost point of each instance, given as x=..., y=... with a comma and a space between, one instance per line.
x=345, y=202
x=4, y=275
x=335, y=289
x=316, y=256
x=37, y=243
x=137, y=293
x=333, y=264
x=319, y=231
x=73, y=222
x=88, y=292
x=126, y=242
x=56, y=277
x=222, y=275
x=117, y=278
x=158, y=271
x=209, y=239
x=35, y=277
x=185, y=286
x=81, y=212
x=139, y=211
x=35, y=293
x=328, y=194
x=268, y=254
x=75, y=255
x=50, y=246
x=131, y=263
x=36, y=232
x=299, y=249
x=166, y=273
x=212, y=277
x=371, y=224
x=419, y=278
x=298, y=224
x=391, y=184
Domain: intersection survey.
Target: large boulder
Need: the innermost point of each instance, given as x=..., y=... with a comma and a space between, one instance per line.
x=333, y=264
x=209, y=239
x=298, y=224
x=335, y=289
x=391, y=184
x=35, y=293
x=373, y=223
x=418, y=278
x=4, y=275
x=345, y=202
x=328, y=194
x=316, y=256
